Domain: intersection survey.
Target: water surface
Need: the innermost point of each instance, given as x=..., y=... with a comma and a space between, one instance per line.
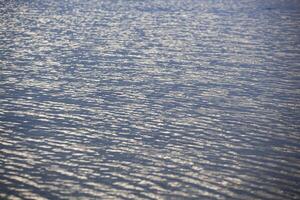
x=149, y=99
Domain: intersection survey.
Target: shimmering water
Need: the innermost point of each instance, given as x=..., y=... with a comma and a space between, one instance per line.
x=149, y=99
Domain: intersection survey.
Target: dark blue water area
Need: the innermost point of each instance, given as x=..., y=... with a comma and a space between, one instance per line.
x=122, y=99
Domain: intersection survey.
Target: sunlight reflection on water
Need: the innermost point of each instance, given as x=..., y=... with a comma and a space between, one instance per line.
x=149, y=100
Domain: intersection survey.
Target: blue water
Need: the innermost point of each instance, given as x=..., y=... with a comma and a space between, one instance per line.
x=123, y=99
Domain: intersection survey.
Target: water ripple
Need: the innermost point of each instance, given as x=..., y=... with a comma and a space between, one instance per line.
x=149, y=100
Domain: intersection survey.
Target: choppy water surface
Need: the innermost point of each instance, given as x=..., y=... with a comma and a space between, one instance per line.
x=150, y=99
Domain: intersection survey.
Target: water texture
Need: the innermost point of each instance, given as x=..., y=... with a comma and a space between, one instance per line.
x=125, y=99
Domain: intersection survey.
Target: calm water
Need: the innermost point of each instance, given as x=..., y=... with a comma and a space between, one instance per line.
x=150, y=99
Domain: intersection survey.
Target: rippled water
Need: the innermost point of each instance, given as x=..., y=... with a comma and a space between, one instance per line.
x=150, y=99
